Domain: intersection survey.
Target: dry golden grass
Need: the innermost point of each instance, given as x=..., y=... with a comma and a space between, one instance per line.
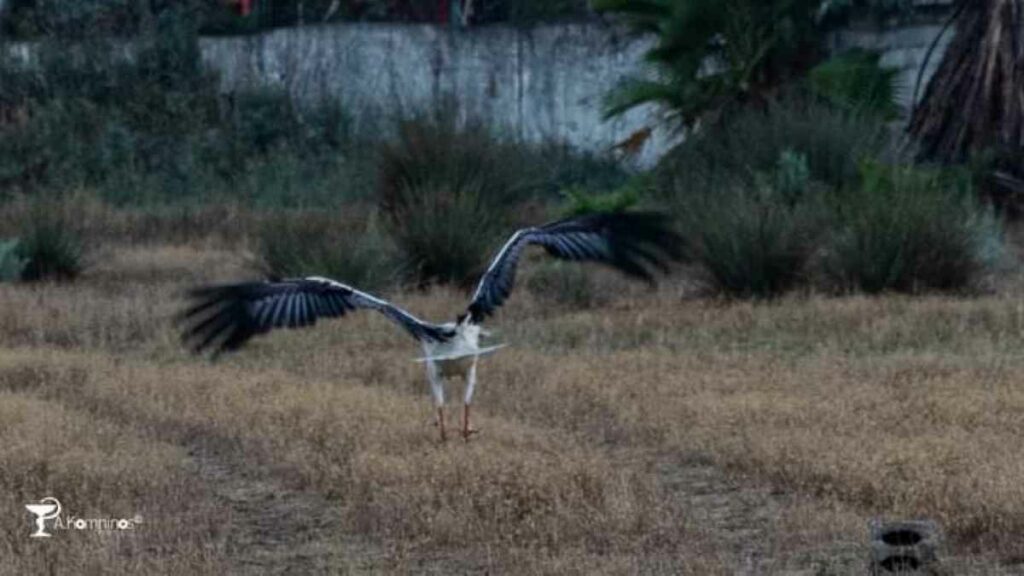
x=654, y=435
x=100, y=470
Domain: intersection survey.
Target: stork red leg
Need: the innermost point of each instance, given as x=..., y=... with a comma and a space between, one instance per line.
x=467, y=430
x=440, y=423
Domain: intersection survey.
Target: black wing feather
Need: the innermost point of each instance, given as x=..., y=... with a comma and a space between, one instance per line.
x=634, y=243
x=224, y=317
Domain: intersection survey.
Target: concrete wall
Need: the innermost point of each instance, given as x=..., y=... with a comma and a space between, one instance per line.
x=545, y=83
x=538, y=84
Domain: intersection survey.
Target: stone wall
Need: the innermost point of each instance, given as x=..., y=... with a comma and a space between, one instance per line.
x=545, y=83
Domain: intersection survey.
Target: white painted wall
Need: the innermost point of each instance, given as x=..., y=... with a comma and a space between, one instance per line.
x=546, y=83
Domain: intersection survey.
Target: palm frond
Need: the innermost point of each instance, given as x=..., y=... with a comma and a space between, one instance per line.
x=635, y=92
x=973, y=102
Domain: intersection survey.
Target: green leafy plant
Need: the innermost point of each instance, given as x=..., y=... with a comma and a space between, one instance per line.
x=580, y=202
x=856, y=82
x=709, y=54
x=792, y=176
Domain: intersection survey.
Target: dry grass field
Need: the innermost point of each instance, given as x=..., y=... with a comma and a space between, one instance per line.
x=660, y=434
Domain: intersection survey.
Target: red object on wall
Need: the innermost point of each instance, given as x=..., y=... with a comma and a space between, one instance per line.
x=244, y=7
x=443, y=11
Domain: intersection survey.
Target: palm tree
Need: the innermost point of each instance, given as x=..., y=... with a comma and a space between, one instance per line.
x=974, y=103
x=710, y=54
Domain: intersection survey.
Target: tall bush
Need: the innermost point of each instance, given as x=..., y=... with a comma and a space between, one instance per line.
x=910, y=229
x=755, y=240
x=353, y=251
x=449, y=191
x=832, y=142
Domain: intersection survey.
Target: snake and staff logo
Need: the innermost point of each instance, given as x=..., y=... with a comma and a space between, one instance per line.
x=49, y=508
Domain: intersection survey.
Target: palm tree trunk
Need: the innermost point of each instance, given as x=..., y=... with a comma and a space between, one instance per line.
x=975, y=101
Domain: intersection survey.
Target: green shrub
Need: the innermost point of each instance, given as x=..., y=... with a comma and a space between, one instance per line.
x=12, y=263
x=750, y=193
x=308, y=244
x=449, y=192
x=832, y=142
x=910, y=229
x=755, y=241
x=50, y=246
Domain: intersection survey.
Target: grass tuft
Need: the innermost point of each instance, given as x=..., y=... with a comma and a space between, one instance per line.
x=50, y=246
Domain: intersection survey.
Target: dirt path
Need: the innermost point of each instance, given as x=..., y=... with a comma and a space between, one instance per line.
x=736, y=519
x=275, y=529
x=743, y=521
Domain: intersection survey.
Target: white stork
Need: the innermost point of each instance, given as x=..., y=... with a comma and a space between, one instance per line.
x=224, y=317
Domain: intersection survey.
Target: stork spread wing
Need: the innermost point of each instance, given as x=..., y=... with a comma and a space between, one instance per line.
x=224, y=317
x=632, y=242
